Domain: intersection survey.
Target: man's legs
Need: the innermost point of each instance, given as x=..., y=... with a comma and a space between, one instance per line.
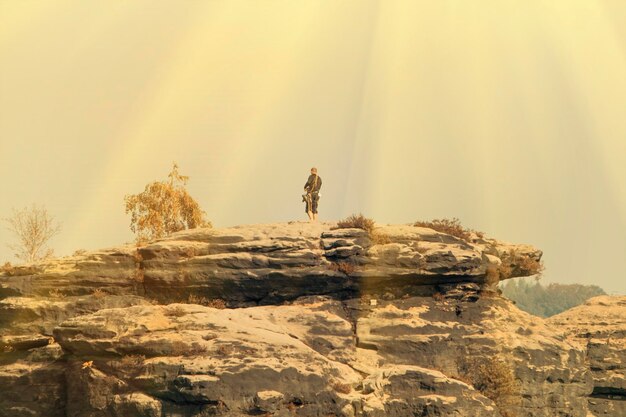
x=314, y=200
x=309, y=207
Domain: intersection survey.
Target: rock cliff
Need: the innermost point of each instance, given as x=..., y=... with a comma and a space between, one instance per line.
x=599, y=327
x=282, y=320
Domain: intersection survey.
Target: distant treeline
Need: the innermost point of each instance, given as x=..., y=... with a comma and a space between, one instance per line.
x=547, y=300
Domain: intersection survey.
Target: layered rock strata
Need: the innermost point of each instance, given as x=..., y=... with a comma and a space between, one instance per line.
x=599, y=327
x=327, y=322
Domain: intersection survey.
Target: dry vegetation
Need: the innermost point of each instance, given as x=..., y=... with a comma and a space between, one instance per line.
x=356, y=222
x=450, y=227
x=139, y=273
x=164, y=207
x=512, y=262
x=341, y=387
x=55, y=293
x=379, y=238
x=361, y=222
x=98, y=293
x=347, y=268
x=176, y=311
x=203, y=301
x=34, y=227
x=131, y=364
x=7, y=269
x=495, y=379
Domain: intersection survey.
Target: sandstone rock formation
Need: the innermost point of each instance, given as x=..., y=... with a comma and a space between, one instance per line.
x=320, y=322
x=599, y=326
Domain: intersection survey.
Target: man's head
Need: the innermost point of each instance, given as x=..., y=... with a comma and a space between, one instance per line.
x=313, y=170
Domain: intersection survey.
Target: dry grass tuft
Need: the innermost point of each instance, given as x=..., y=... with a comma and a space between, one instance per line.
x=216, y=303
x=176, y=311
x=55, y=293
x=361, y=222
x=379, y=238
x=98, y=293
x=203, y=301
x=341, y=387
x=438, y=297
x=450, y=227
x=347, y=268
x=356, y=222
x=8, y=269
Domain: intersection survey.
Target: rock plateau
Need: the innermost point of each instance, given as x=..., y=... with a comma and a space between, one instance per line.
x=295, y=319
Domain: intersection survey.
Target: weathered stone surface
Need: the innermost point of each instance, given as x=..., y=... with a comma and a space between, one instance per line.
x=215, y=360
x=443, y=334
x=599, y=327
x=328, y=323
x=266, y=264
x=413, y=391
x=32, y=382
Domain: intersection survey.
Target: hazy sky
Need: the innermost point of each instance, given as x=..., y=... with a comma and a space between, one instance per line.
x=510, y=115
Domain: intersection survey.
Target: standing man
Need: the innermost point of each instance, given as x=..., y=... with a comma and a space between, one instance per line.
x=312, y=196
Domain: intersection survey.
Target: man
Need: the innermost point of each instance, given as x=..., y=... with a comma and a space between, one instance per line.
x=312, y=196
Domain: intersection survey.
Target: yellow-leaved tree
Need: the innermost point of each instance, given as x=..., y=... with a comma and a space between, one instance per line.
x=164, y=207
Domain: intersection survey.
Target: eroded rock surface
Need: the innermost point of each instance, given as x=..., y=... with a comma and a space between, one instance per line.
x=269, y=264
x=320, y=322
x=599, y=326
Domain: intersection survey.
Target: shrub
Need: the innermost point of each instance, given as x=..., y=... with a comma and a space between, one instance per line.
x=379, y=238
x=203, y=301
x=7, y=268
x=98, y=293
x=341, y=387
x=364, y=223
x=55, y=293
x=79, y=252
x=164, y=207
x=524, y=265
x=194, y=299
x=176, y=311
x=356, y=222
x=346, y=267
x=495, y=379
x=216, y=303
x=450, y=227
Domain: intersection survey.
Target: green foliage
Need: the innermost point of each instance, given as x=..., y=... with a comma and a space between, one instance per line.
x=164, y=207
x=547, y=300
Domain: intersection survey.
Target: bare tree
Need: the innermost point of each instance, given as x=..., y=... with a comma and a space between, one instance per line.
x=34, y=227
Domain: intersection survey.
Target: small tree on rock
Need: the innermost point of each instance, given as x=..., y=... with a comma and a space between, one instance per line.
x=34, y=227
x=164, y=207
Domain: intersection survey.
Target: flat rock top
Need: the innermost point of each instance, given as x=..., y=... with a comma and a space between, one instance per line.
x=602, y=315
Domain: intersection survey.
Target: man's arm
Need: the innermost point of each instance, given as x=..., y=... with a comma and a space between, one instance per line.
x=309, y=182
